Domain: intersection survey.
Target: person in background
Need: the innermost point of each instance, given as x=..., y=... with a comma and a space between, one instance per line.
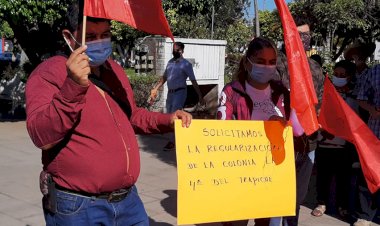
x=317, y=58
x=369, y=99
x=304, y=159
x=359, y=53
x=81, y=113
x=176, y=73
x=335, y=156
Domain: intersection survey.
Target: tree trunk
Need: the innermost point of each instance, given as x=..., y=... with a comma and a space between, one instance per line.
x=345, y=42
x=329, y=43
x=257, y=19
x=327, y=56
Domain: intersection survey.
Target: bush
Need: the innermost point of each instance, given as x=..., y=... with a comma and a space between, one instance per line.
x=141, y=85
x=232, y=65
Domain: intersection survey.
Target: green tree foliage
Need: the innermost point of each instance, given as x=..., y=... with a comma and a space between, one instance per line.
x=124, y=37
x=124, y=34
x=334, y=23
x=141, y=86
x=238, y=35
x=231, y=25
x=35, y=24
x=5, y=30
x=270, y=25
x=337, y=23
x=193, y=19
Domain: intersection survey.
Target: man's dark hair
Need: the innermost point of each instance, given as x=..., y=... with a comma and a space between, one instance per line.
x=301, y=20
x=74, y=16
x=180, y=45
x=348, y=66
x=317, y=58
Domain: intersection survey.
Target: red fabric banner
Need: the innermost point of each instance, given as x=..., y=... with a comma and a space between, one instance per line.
x=145, y=15
x=337, y=118
x=302, y=94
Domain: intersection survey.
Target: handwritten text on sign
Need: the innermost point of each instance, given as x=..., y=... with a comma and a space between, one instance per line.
x=233, y=170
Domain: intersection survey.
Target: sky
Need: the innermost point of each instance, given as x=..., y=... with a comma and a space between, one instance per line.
x=263, y=5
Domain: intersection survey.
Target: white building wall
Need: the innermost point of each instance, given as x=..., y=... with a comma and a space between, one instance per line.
x=207, y=56
x=377, y=51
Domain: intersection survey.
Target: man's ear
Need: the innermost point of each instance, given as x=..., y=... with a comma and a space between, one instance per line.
x=70, y=39
x=66, y=34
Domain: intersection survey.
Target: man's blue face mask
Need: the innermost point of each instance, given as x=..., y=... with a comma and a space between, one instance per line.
x=98, y=51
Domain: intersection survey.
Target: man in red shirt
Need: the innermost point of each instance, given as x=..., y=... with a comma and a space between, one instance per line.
x=82, y=114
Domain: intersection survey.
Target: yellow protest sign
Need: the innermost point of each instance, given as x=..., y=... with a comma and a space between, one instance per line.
x=234, y=170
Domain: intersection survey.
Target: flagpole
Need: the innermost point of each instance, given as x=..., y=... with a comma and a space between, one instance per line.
x=84, y=30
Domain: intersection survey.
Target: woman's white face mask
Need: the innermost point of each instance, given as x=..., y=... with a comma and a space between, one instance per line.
x=262, y=73
x=339, y=82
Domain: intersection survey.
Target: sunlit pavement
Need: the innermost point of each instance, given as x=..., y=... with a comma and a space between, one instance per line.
x=20, y=199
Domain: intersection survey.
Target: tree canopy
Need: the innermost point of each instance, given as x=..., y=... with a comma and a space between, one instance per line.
x=193, y=19
x=36, y=24
x=334, y=23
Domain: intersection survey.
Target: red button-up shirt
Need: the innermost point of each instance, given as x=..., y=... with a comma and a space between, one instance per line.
x=94, y=148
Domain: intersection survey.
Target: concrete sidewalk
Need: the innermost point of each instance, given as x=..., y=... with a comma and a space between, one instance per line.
x=20, y=164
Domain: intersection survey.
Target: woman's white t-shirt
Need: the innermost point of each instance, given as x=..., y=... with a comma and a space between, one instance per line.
x=263, y=106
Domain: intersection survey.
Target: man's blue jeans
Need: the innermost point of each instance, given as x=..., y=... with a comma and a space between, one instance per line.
x=74, y=210
x=176, y=101
x=304, y=168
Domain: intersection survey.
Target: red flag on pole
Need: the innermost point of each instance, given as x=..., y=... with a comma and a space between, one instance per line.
x=337, y=118
x=302, y=94
x=145, y=15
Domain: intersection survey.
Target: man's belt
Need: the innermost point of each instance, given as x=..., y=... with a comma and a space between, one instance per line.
x=175, y=90
x=115, y=196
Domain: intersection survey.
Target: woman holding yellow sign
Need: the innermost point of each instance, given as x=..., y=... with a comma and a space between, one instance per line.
x=254, y=95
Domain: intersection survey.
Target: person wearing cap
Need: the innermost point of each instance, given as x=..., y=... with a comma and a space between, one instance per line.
x=368, y=96
x=359, y=53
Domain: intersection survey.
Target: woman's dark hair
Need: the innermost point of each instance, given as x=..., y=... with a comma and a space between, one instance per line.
x=258, y=44
x=254, y=47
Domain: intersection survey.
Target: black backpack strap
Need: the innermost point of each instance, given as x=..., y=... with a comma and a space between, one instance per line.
x=124, y=104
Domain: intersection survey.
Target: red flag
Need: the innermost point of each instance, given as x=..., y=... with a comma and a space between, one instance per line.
x=337, y=118
x=302, y=93
x=145, y=15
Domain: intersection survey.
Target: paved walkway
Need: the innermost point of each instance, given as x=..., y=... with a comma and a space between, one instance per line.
x=20, y=165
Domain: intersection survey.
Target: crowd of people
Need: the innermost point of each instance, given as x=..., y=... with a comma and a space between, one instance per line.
x=89, y=177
